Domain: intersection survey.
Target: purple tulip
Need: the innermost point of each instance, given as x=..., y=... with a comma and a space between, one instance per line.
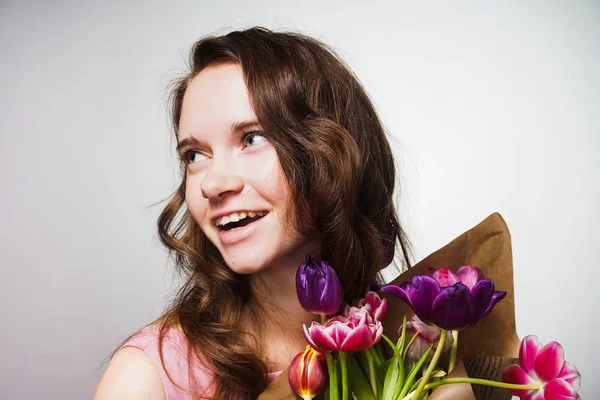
x=318, y=287
x=454, y=307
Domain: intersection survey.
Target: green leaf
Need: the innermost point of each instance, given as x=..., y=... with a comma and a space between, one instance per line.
x=413, y=373
x=359, y=383
x=402, y=337
x=391, y=378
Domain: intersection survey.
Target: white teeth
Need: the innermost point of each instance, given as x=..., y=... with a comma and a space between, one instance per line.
x=235, y=217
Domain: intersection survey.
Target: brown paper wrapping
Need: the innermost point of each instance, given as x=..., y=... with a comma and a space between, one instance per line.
x=491, y=345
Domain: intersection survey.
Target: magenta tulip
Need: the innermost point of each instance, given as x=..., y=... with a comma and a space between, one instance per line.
x=545, y=365
x=352, y=332
x=375, y=305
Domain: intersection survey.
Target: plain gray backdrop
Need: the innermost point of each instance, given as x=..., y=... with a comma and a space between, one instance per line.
x=493, y=107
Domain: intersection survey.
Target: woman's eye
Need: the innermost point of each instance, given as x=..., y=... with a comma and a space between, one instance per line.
x=253, y=138
x=192, y=156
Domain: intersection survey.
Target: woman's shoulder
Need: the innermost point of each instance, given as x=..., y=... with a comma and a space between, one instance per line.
x=131, y=374
x=160, y=376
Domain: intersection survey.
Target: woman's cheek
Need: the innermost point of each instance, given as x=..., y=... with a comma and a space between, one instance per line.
x=194, y=200
x=262, y=166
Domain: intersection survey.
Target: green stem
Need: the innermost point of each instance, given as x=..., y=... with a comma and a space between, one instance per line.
x=379, y=352
x=333, y=382
x=372, y=379
x=377, y=359
x=344, y=365
x=475, y=381
x=434, y=361
x=453, y=351
x=484, y=382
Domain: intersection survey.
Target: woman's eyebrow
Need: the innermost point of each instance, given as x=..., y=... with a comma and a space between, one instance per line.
x=244, y=126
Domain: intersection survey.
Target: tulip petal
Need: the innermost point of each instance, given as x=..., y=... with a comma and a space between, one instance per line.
x=381, y=310
x=453, y=308
x=528, y=352
x=445, y=277
x=549, y=361
x=360, y=338
x=400, y=292
x=377, y=333
x=482, y=293
x=338, y=331
x=496, y=297
x=570, y=374
x=516, y=375
x=559, y=389
x=318, y=338
x=430, y=333
x=469, y=276
x=423, y=291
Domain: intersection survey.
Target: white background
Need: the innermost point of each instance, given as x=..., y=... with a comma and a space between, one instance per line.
x=494, y=107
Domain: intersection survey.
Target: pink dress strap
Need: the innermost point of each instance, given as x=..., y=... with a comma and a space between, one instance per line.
x=175, y=361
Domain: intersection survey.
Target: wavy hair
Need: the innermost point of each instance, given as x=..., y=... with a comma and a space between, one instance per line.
x=340, y=168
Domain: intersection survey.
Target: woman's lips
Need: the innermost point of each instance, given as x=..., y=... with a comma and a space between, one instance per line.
x=238, y=234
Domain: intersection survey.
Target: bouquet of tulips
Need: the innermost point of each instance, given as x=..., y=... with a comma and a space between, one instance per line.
x=346, y=360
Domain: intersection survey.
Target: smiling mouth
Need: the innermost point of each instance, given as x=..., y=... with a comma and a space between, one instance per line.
x=238, y=224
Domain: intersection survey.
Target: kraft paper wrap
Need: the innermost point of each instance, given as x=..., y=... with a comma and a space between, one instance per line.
x=492, y=344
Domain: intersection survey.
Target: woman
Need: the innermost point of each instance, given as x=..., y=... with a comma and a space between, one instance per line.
x=283, y=155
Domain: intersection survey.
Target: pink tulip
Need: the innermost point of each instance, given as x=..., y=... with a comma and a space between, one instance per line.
x=375, y=305
x=426, y=336
x=466, y=275
x=354, y=331
x=545, y=365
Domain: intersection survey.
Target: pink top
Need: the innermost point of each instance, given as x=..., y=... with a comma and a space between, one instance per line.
x=175, y=359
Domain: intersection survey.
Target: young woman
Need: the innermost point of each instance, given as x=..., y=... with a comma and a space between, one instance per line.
x=282, y=155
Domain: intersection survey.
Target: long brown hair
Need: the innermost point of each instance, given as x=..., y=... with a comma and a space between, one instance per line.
x=340, y=169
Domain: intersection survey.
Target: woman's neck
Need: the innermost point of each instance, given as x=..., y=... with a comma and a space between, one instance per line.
x=278, y=317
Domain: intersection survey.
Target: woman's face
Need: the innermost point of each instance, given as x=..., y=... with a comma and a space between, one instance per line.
x=235, y=188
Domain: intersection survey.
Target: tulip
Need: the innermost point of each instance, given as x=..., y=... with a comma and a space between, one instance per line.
x=308, y=373
x=447, y=302
x=426, y=336
x=354, y=331
x=467, y=275
x=375, y=305
x=318, y=287
x=545, y=365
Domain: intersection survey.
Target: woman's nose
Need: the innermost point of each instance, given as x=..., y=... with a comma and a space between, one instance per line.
x=221, y=178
